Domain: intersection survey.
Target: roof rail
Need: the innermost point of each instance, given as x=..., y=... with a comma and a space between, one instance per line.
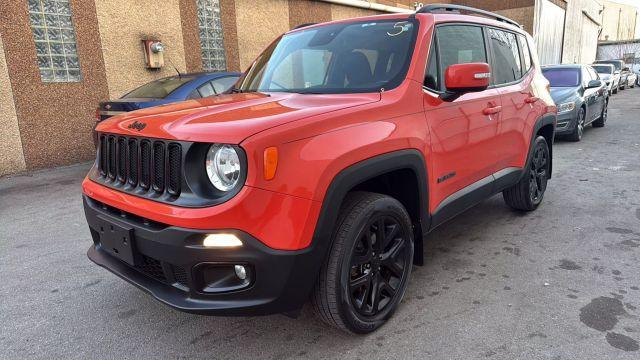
x=434, y=8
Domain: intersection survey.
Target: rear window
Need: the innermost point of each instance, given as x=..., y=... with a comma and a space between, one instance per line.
x=601, y=69
x=526, y=54
x=568, y=77
x=158, y=89
x=507, y=66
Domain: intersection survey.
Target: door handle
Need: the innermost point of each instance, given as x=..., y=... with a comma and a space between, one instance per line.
x=492, y=110
x=531, y=100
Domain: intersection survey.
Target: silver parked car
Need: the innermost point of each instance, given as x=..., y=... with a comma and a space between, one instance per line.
x=607, y=73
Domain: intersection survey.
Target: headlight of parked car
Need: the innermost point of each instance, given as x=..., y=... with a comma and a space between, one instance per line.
x=566, y=107
x=223, y=167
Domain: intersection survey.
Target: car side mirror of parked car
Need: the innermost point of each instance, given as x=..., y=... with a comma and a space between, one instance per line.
x=625, y=69
x=617, y=72
x=460, y=79
x=594, y=84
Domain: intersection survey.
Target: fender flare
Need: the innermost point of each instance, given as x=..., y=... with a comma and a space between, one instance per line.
x=365, y=170
x=546, y=119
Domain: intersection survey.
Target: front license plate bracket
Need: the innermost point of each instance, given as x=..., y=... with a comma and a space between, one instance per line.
x=117, y=240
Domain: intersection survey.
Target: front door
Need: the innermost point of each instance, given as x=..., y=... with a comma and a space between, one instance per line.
x=462, y=131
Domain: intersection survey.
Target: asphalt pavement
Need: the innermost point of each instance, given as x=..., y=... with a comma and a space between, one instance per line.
x=559, y=283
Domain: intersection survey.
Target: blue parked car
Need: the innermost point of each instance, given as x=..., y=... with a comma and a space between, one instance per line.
x=167, y=90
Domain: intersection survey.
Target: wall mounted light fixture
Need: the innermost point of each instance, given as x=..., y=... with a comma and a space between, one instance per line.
x=153, y=53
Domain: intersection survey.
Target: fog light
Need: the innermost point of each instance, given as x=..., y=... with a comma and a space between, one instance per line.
x=221, y=241
x=241, y=272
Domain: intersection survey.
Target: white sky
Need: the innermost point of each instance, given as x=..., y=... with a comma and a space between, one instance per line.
x=628, y=2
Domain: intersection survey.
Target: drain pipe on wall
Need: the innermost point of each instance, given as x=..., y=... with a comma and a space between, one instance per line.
x=370, y=5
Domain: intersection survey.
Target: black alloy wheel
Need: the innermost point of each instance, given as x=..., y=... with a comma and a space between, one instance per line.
x=378, y=264
x=538, y=174
x=527, y=193
x=366, y=272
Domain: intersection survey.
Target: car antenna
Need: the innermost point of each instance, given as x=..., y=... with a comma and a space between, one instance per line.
x=174, y=67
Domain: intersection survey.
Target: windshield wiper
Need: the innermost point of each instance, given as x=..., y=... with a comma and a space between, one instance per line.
x=240, y=91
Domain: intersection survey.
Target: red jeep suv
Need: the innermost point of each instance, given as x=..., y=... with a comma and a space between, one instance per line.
x=319, y=175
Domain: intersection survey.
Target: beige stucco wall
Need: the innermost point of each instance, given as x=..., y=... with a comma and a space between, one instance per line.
x=11, y=156
x=123, y=25
x=259, y=23
x=618, y=21
x=339, y=12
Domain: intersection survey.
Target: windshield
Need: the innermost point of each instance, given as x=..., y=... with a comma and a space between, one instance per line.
x=340, y=58
x=158, y=89
x=603, y=69
x=616, y=64
x=568, y=77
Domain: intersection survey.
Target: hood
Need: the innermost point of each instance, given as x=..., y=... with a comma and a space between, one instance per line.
x=228, y=118
x=605, y=77
x=564, y=94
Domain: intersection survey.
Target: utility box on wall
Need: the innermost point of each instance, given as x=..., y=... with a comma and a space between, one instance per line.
x=153, y=53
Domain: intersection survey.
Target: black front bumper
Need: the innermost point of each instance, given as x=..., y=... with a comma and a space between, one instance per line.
x=566, y=122
x=169, y=262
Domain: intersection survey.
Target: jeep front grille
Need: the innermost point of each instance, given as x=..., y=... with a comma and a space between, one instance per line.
x=141, y=165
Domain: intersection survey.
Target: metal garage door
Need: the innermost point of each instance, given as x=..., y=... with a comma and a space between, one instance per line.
x=589, y=41
x=549, y=33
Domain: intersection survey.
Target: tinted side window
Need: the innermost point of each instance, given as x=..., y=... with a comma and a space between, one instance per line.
x=460, y=44
x=206, y=90
x=506, y=57
x=223, y=84
x=526, y=54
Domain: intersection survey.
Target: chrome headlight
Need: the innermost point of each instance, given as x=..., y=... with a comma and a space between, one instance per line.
x=223, y=166
x=566, y=107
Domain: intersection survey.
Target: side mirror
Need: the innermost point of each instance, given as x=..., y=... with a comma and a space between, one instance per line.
x=594, y=84
x=460, y=79
x=625, y=69
x=617, y=72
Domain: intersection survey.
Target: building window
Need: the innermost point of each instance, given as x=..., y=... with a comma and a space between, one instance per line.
x=211, y=41
x=55, y=39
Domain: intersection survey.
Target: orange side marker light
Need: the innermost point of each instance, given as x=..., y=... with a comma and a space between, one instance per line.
x=270, y=162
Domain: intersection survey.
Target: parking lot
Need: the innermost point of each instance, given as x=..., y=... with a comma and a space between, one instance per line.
x=559, y=283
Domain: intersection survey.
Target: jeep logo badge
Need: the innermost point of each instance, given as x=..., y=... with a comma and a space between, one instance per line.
x=137, y=125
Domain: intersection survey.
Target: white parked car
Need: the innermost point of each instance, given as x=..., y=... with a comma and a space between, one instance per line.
x=609, y=75
x=632, y=79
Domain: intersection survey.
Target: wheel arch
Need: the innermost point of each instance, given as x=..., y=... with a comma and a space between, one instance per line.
x=545, y=126
x=380, y=174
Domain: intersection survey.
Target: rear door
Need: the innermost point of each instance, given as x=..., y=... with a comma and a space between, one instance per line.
x=462, y=136
x=590, y=96
x=512, y=76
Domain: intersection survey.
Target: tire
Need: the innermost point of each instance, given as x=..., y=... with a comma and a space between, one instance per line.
x=523, y=196
x=578, y=130
x=351, y=275
x=615, y=91
x=602, y=120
